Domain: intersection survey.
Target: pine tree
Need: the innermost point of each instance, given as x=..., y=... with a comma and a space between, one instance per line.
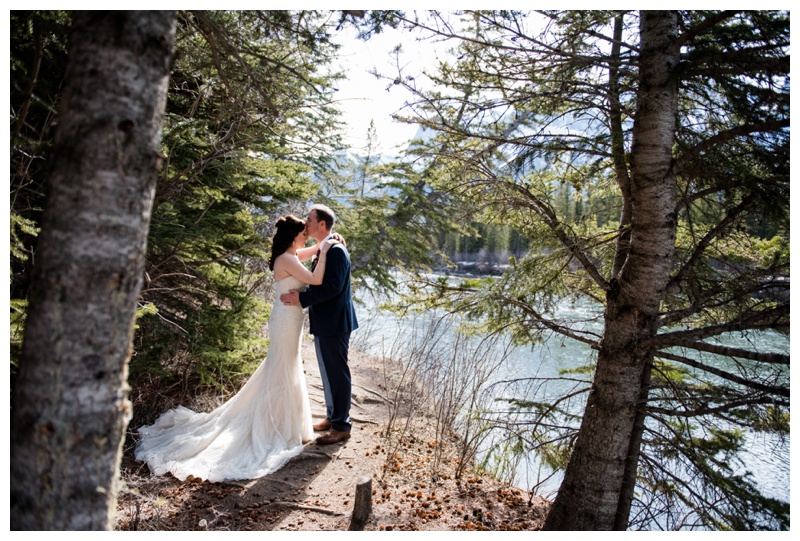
x=675, y=126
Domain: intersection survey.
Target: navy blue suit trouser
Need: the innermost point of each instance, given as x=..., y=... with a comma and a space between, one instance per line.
x=332, y=354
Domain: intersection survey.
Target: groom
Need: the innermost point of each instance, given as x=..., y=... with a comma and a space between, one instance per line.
x=332, y=318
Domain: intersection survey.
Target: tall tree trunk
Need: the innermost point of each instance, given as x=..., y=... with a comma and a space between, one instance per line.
x=70, y=407
x=594, y=489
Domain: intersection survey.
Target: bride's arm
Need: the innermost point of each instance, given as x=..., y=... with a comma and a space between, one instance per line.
x=304, y=254
x=291, y=265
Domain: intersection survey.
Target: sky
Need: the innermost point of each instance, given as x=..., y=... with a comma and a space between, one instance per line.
x=363, y=97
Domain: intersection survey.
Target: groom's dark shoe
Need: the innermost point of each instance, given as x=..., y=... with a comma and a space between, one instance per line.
x=322, y=426
x=334, y=436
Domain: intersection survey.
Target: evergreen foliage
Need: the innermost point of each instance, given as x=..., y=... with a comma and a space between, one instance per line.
x=249, y=116
x=248, y=119
x=38, y=59
x=389, y=214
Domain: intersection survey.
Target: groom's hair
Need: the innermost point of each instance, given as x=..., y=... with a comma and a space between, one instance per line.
x=324, y=214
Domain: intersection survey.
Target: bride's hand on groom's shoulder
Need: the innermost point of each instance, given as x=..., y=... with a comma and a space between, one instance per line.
x=337, y=236
x=327, y=243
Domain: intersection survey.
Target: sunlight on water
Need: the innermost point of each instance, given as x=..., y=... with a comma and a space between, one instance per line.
x=767, y=458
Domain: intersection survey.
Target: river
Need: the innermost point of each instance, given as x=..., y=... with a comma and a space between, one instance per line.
x=767, y=457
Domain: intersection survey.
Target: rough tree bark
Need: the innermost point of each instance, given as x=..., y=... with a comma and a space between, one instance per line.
x=70, y=407
x=594, y=493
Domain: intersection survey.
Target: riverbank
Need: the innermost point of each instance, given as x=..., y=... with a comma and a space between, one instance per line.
x=414, y=484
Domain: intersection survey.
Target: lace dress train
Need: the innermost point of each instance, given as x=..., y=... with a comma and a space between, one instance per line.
x=254, y=433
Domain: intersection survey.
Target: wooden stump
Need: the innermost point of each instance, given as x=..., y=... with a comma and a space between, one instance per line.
x=363, y=503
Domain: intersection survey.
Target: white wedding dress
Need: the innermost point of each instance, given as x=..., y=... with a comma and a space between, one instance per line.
x=254, y=433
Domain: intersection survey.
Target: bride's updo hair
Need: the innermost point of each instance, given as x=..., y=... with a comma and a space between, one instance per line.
x=286, y=229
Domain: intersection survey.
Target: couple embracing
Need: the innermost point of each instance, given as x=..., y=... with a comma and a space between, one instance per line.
x=268, y=421
x=332, y=319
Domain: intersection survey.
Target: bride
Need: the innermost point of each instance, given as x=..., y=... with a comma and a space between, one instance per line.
x=266, y=423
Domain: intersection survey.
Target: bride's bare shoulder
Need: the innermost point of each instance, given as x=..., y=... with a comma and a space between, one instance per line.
x=283, y=263
x=286, y=258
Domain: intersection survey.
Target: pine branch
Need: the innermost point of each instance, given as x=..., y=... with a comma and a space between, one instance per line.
x=761, y=320
x=704, y=409
x=780, y=391
x=543, y=209
x=707, y=24
x=725, y=136
x=701, y=246
x=564, y=331
x=770, y=358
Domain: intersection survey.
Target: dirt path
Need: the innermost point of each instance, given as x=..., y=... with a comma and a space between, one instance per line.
x=411, y=490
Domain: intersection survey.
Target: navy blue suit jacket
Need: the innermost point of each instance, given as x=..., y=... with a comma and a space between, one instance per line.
x=330, y=304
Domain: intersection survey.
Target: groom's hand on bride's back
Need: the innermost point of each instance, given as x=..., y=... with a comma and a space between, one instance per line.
x=292, y=298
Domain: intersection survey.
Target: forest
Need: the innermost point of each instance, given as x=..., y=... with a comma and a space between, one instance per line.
x=639, y=159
